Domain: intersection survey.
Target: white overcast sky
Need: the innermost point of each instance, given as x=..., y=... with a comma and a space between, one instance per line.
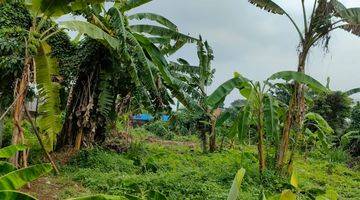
x=257, y=43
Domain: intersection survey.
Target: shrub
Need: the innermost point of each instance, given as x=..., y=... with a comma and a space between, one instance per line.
x=160, y=129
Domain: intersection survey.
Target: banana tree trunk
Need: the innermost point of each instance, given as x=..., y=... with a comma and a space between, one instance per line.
x=261, y=147
x=203, y=137
x=212, y=142
x=297, y=105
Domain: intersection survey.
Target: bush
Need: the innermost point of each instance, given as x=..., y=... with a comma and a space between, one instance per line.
x=160, y=129
x=104, y=161
x=6, y=132
x=337, y=155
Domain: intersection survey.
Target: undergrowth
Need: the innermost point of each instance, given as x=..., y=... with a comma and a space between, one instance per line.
x=180, y=172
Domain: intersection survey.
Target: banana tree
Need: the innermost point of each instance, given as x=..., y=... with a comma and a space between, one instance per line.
x=118, y=59
x=192, y=81
x=38, y=69
x=260, y=108
x=325, y=17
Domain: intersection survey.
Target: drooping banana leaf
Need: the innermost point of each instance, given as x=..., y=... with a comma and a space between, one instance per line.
x=352, y=17
x=9, y=151
x=271, y=118
x=159, y=60
x=161, y=31
x=320, y=122
x=244, y=122
x=352, y=91
x=16, y=179
x=234, y=193
x=46, y=69
x=130, y=4
x=14, y=195
x=224, y=89
x=92, y=31
x=301, y=78
x=154, y=17
x=268, y=5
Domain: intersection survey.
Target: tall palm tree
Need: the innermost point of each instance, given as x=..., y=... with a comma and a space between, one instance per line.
x=325, y=17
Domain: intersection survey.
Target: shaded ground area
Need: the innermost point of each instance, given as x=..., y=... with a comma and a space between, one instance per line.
x=53, y=188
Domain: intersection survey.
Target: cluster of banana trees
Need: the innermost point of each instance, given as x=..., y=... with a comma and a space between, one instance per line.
x=118, y=58
x=325, y=16
x=263, y=111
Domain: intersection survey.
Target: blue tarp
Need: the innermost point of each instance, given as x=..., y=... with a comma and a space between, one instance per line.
x=148, y=117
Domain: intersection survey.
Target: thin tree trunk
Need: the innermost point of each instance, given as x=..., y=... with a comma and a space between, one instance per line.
x=203, y=141
x=20, y=94
x=212, y=142
x=40, y=141
x=261, y=147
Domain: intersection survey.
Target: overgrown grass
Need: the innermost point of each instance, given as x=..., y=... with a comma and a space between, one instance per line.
x=181, y=172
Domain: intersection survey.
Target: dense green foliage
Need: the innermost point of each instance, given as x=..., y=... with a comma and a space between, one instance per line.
x=335, y=107
x=181, y=172
x=294, y=138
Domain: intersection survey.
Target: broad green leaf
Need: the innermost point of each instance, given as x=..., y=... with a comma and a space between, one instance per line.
x=268, y=5
x=350, y=15
x=14, y=195
x=287, y=195
x=352, y=18
x=46, y=69
x=271, y=118
x=160, y=62
x=337, y=5
x=294, y=181
x=352, y=91
x=234, y=193
x=6, y=167
x=224, y=89
x=154, y=17
x=320, y=122
x=16, y=179
x=130, y=4
x=300, y=78
x=244, y=122
x=92, y=31
x=161, y=31
x=11, y=150
x=99, y=197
